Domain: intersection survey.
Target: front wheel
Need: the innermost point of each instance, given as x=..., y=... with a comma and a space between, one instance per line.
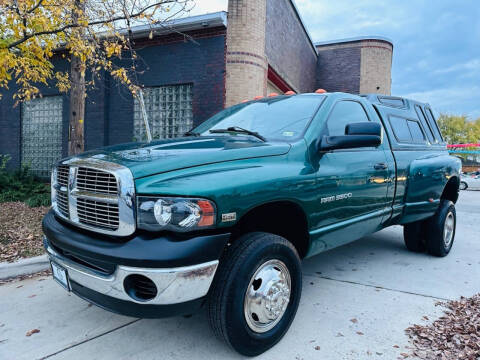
x=255, y=293
x=463, y=185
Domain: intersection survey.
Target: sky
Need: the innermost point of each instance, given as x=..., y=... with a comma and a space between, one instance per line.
x=436, y=57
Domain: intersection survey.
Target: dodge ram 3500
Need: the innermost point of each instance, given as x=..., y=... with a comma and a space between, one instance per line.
x=223, y=216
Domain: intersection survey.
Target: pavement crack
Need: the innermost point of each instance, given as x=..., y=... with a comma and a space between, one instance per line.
x=89, y=339
x=378, y=287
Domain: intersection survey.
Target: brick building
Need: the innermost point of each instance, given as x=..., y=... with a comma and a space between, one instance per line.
x=258, y=47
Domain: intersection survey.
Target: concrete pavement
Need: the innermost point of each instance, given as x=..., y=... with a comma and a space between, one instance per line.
x=375, y=282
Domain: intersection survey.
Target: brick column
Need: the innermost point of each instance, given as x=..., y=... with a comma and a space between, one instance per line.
x=375, y=72
x=246, y=64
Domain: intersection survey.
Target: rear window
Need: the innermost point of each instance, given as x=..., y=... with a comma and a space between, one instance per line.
x=433, y=123
x=407, y=131
x=400, y=129
x=416, y=132
x=426, y=125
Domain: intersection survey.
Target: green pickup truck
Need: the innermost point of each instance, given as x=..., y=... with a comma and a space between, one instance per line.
x=222, y=217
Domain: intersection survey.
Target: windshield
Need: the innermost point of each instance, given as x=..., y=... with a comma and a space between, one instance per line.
x=280, y=118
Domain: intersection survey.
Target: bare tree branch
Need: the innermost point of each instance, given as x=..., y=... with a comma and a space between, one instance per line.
x=92, y=23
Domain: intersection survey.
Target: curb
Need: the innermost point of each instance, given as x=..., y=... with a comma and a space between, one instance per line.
x=24, y=267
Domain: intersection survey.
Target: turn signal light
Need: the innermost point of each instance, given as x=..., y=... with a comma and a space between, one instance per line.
x=320, y=91
x=258, y=97
x=272, y=94
x=208, y=213
x=290, y=92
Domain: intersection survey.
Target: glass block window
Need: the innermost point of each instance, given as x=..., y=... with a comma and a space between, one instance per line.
x=42, y=134
x=169, y=112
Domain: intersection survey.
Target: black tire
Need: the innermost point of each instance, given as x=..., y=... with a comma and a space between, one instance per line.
x=228, y=292
x=435, y=228
x=463, y=185
x=414, y=236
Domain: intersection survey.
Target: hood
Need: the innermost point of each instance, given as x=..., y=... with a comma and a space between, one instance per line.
x=145, y=159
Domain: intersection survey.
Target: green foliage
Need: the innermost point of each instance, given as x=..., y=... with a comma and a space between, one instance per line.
x=21, y=185
x=457, y=129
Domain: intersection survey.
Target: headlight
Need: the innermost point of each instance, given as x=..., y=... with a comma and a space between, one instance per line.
x=53, y=191
x=54, y=176
x=176, y=214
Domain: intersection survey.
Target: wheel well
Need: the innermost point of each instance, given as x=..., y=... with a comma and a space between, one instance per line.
x=283, y=218
x=450, y=192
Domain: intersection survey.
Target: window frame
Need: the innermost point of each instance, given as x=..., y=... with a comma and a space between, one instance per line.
x=187, y=127
x=325, y=127
x=411, y=142
x=420, y=114
x=425, y=140
x=63, y=128
x=323, y=132
x=432, y=119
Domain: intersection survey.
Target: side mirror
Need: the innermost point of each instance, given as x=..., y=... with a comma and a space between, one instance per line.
x=364, y=134
x=364, y=128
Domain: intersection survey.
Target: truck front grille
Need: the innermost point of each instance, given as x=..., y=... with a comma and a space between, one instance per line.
x=62, y=175
x=62, y=203
x=92, y=198
x=96, y=181
x=62, y=193
x=97, y=213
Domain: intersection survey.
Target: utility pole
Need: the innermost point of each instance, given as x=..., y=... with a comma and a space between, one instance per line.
x=76, y=143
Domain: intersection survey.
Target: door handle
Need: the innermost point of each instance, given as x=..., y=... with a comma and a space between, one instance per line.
x=380, y=166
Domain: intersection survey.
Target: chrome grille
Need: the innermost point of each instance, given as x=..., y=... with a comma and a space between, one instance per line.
x=96, y=181
x=62, y=194
x=96, y=195
x=62, y=203
x=62, y=175
x=98, y=213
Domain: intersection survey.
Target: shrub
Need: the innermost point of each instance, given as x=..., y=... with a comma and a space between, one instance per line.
x=22, y=185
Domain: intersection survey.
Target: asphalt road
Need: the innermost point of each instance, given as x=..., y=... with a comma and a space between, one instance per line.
x=375, y=281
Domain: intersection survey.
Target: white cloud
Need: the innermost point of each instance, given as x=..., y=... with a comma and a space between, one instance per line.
x=209, y=6
x=472, y=66
x=449, y=99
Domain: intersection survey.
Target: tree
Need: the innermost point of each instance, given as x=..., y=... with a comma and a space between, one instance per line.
x=457, y=129
x=91, y=34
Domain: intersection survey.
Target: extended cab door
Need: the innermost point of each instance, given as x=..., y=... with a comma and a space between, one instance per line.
x=352, y=184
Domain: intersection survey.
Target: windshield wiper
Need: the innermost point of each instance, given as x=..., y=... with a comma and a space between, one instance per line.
x=239, y=130
x=191, y=133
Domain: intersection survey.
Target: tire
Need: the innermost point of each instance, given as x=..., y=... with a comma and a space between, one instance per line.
x=440, y=229
x=463, y=185
x=414, y=236
x=229, y=310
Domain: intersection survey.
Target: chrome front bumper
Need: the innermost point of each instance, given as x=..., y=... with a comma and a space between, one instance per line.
x=174, y=285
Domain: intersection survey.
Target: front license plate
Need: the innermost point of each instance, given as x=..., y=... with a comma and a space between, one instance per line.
x=60, y=275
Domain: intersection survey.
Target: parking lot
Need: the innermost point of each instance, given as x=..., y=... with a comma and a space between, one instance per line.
x=357, y=300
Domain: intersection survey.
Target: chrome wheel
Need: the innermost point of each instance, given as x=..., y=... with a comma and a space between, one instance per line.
x=267, y=296
x=448, y=230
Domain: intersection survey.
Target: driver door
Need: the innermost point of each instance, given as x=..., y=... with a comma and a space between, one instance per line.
x=352, y=184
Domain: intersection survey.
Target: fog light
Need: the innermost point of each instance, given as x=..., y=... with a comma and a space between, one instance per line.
x=139, y=287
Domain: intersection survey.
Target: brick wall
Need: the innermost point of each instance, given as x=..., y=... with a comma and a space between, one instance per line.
x=246, y=66
x=338, y=68
x=10, y=119
x=166, y=60
x=359, y=66
x=375, y=72
x=288, y=48
x=169, y=63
